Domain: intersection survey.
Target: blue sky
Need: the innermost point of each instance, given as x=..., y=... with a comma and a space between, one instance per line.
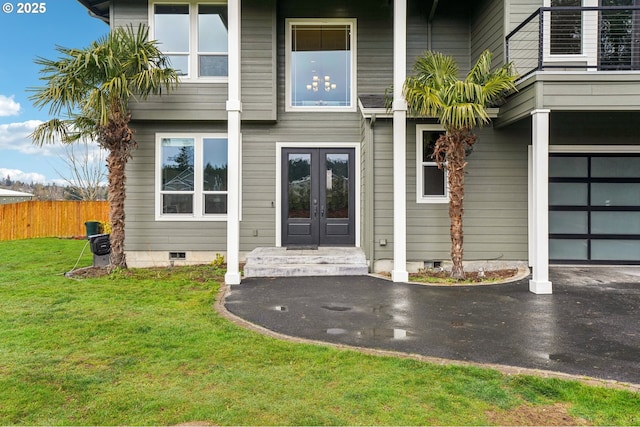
x=23, y=37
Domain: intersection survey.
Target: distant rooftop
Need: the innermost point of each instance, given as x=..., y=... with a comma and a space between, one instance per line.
x=11, y=193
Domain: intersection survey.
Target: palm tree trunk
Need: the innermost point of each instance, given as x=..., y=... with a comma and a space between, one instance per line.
x=116, y=162
x=117, y=138
x=456, y=165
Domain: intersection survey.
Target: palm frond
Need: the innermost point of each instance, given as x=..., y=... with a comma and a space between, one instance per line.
x=435, y=90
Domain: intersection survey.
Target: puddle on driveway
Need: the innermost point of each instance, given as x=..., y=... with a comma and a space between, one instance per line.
x=336, y=308
x=384, y=333
x=374, y=332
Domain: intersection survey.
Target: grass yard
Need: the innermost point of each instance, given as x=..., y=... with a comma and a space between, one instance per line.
x=145, y=347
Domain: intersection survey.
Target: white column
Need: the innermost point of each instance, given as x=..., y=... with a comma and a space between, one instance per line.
x=234, y=111
x=540, y=284
x=399, y=273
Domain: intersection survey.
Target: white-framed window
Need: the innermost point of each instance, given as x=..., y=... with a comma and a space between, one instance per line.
x=321, y=64
x=571, y=36
x=191, y=176
x=431, y=181
x=194, y=36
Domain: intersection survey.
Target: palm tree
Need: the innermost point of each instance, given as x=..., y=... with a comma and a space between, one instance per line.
x=88, y=92
x=460, y=106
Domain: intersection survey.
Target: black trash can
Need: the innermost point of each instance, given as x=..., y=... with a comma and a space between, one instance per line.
x=101, y=249
x=93, y=228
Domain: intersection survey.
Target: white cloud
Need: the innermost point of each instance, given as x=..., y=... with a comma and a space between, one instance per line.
x=18, y=175
x=8, y=107
x=15, y=136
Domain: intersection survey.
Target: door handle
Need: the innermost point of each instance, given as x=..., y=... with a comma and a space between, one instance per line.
x=322, y=212
x=315, y=208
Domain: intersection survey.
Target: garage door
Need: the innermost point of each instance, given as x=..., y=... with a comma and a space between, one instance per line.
x=594, y=208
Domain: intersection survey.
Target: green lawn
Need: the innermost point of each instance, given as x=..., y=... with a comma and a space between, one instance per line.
x=145, y=347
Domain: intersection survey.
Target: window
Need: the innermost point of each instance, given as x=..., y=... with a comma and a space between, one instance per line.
x=566, y=28
x=191, y=176
x=431, y=181
x=321, y=64
x=194, y=37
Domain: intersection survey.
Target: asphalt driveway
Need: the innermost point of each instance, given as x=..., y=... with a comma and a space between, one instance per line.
x=590, y=326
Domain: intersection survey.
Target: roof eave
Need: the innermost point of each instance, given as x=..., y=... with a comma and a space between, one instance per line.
x=95, y=11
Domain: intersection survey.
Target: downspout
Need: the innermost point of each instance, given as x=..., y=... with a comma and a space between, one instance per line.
x=430, y=24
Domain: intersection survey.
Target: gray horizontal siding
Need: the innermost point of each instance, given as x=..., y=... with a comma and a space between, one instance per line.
x=207, y=101
x=495, y=219
x=487, y=30
x=129, y=12
x=520, y=10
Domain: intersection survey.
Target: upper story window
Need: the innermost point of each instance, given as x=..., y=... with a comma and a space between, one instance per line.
x=321, y=65
x=566, y=28
x=431, y=182
x=191, y=176
x=194, y=36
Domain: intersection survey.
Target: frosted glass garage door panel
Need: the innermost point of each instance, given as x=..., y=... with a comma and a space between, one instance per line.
x=615, y=194
x=568, y=194
x=568, y=223
x=615, y=250
x=615, y=222
x=568, y=167
x=615, y=167
x=568, y=249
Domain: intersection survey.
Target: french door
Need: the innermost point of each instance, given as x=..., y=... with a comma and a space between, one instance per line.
x=318, y=197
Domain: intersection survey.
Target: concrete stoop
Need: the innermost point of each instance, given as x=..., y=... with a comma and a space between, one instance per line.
x=324, y=261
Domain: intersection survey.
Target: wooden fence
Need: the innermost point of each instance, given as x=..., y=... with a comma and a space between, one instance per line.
x=27, y=220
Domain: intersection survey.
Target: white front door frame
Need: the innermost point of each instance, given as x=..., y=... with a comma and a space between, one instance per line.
x=278, y=196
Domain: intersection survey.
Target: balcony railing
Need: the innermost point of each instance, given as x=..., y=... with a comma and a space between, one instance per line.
x=605, y=38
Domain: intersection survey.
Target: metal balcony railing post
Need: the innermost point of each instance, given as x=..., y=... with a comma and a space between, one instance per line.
x=540, y=39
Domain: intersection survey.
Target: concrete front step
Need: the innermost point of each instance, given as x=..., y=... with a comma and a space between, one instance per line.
x=280, y=262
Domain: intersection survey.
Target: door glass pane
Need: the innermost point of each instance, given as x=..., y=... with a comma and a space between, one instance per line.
x=615, y=167
x=568, y=167
x=614, y=194
x=299, y=185
x=568, y=223
x=568, y=249
x=321, y=65
x=615, y=222
x=337, y=170
x=568, y=194
x=215, y=164
x=615, y=250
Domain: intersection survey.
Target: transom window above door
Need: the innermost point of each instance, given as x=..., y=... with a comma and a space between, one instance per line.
x=321, y=65
x=194, y=36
